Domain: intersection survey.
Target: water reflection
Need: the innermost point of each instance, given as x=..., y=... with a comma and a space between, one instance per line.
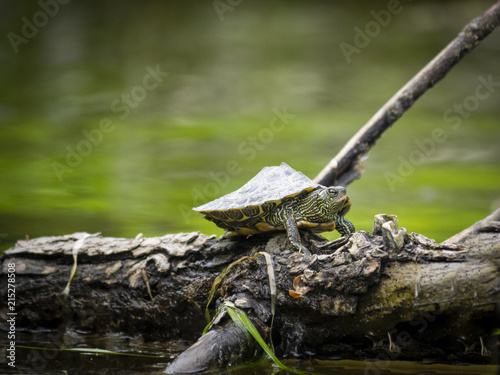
x=39, y=352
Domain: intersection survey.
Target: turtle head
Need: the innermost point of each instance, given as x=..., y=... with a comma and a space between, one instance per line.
x=335, y=200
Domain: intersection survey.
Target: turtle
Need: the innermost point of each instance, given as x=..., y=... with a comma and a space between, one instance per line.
x=281, y=198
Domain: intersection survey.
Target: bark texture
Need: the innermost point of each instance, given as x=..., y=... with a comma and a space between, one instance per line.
x=386, y=293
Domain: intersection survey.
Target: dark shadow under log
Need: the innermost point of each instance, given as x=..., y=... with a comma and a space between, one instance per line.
x=386, y=294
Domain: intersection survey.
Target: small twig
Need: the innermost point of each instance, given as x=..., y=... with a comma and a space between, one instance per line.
x=348, y=164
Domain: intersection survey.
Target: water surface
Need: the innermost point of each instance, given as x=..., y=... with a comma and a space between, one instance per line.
x=119, y=117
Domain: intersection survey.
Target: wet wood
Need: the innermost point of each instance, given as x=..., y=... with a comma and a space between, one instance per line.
x=385, y=293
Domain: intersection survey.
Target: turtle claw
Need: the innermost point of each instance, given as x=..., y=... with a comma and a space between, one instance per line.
x=304, y=251
x=340, y=241
x=333, y=245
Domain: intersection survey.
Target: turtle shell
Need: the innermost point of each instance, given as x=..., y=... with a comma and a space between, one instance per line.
x=270, y=187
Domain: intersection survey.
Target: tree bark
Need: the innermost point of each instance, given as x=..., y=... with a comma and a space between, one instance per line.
x=386, y=293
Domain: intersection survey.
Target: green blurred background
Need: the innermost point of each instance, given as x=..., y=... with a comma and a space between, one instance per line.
x=223, y=73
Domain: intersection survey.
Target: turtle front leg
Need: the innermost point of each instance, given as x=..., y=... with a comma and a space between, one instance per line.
x=344, y=226
x=294, y=235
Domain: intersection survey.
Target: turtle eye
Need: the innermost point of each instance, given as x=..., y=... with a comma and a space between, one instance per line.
x=333, y=192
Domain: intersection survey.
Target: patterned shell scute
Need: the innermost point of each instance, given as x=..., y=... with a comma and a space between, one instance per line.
x=270, y=184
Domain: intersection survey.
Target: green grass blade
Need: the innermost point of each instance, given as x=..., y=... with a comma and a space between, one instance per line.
x=242, y=320
x=216, y=284
x=90, y=350
x=273, y=290
x=272, y=280
x=78, y=244
x=76, y=248
x=239, y=316
x=222, y=275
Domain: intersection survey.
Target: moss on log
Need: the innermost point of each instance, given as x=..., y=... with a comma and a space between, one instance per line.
x=386, y=294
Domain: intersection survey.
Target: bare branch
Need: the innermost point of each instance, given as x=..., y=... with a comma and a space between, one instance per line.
x=347, y=166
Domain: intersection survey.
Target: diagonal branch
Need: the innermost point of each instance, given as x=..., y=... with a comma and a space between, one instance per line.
x=348, y=164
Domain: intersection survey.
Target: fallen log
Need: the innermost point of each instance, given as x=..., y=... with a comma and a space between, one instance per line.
x=386, y=294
